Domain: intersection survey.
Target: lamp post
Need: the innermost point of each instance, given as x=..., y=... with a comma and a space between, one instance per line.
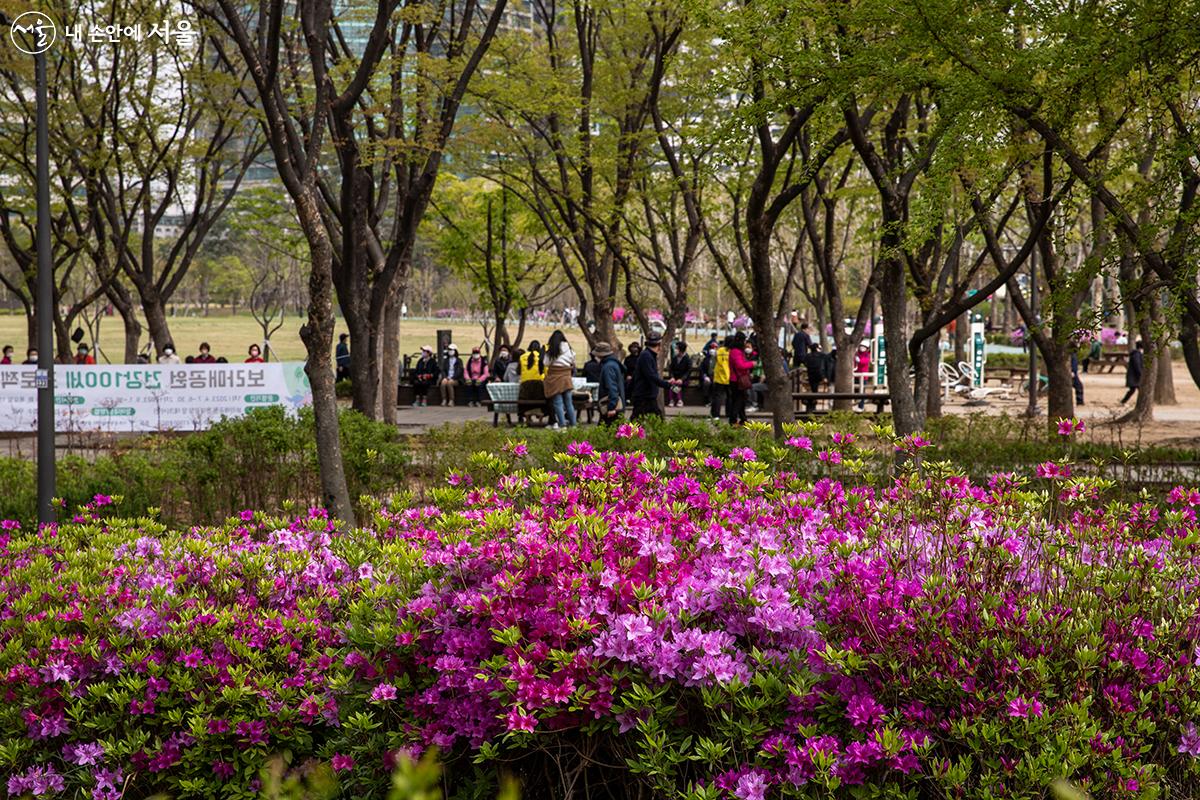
x=37, y=33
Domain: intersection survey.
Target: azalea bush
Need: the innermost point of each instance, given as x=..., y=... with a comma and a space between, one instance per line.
x=266, y=459
x=763, y=623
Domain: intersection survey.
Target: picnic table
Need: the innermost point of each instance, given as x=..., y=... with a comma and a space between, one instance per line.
x=503, y=398
x=1110, y=359
x=805, y=403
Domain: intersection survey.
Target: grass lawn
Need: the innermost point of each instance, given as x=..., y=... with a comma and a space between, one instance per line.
x=230, y=335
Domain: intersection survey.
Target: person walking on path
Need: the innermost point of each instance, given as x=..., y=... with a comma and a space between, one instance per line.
x=560, y=384
x=740, y=383
x=612, y=383
x=647, y=382
x=342, y=358
x=1075, y=381
x=1133, y=373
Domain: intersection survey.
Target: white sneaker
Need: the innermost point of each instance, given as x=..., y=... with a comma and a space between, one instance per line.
x=553, y=426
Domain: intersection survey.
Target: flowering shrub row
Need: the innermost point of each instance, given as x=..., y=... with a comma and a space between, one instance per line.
x=694, y=626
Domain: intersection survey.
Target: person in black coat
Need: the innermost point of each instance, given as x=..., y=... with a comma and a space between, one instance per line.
x=631, y=360
x=1075, y=381
x=801, y=345
x=679, y=368
x=814, y=365
x=1133, y=373
x=591, y=369
x=425, y=376
x=647, y=382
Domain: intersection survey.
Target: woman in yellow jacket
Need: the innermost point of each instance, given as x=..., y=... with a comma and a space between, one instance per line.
x=533, y=374
x=720, y=387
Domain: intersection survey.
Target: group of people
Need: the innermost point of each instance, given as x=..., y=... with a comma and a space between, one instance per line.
x=546, y=375
x=83, y=356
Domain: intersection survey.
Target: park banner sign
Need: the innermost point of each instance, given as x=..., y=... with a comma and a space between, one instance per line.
x=139, y=398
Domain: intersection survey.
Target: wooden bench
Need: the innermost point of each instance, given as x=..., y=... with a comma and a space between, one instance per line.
x=804, y=403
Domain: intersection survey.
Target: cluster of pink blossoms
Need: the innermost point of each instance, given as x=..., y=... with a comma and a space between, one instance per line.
x=718, y=622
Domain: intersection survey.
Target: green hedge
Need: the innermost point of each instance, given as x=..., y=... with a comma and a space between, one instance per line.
x=265, y=460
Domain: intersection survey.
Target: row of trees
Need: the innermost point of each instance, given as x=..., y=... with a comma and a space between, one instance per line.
x=908, y=160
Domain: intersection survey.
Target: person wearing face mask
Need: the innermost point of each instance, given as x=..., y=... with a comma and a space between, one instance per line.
x=453, y=375
x=254, y=353
x=475, y=375
x=168, y=355
x=500, y=365
x=31, y=356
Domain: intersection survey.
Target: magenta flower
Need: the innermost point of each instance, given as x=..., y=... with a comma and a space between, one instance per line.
x=1189, y=743
x=341, y=763
x=383, y=692
x=581, y=448
x=1053, y=471
x=743, y=453
x=864, y=711
x=799, y=442
x=518, y=720
x=1021, y=708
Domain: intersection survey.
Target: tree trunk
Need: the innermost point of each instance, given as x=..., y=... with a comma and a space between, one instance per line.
x=1143, y=409
x=843, y=374
x=1164, y=380
x=962, y=330
x=929, y=386
x=317, y=335
x=779, y=395
x=122, y=301
x=1060, y=393
x=1191, y=347
x=62, y=340
x=390, y=374
x=156, y=321
x=894, y=304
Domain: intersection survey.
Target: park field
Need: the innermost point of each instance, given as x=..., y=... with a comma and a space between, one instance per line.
x=230, y=335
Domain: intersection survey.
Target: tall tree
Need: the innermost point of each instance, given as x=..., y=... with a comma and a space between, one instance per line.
x=390, y=131
x=568, y=111
x=296, y=122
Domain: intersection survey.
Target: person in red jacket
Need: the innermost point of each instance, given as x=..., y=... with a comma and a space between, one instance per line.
x=82, y=356
x=255, y=355
x=740, y=366
x=206, y=356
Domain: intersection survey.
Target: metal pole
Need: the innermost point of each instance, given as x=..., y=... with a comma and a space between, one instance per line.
x=1033, y=365
x=45, y=308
